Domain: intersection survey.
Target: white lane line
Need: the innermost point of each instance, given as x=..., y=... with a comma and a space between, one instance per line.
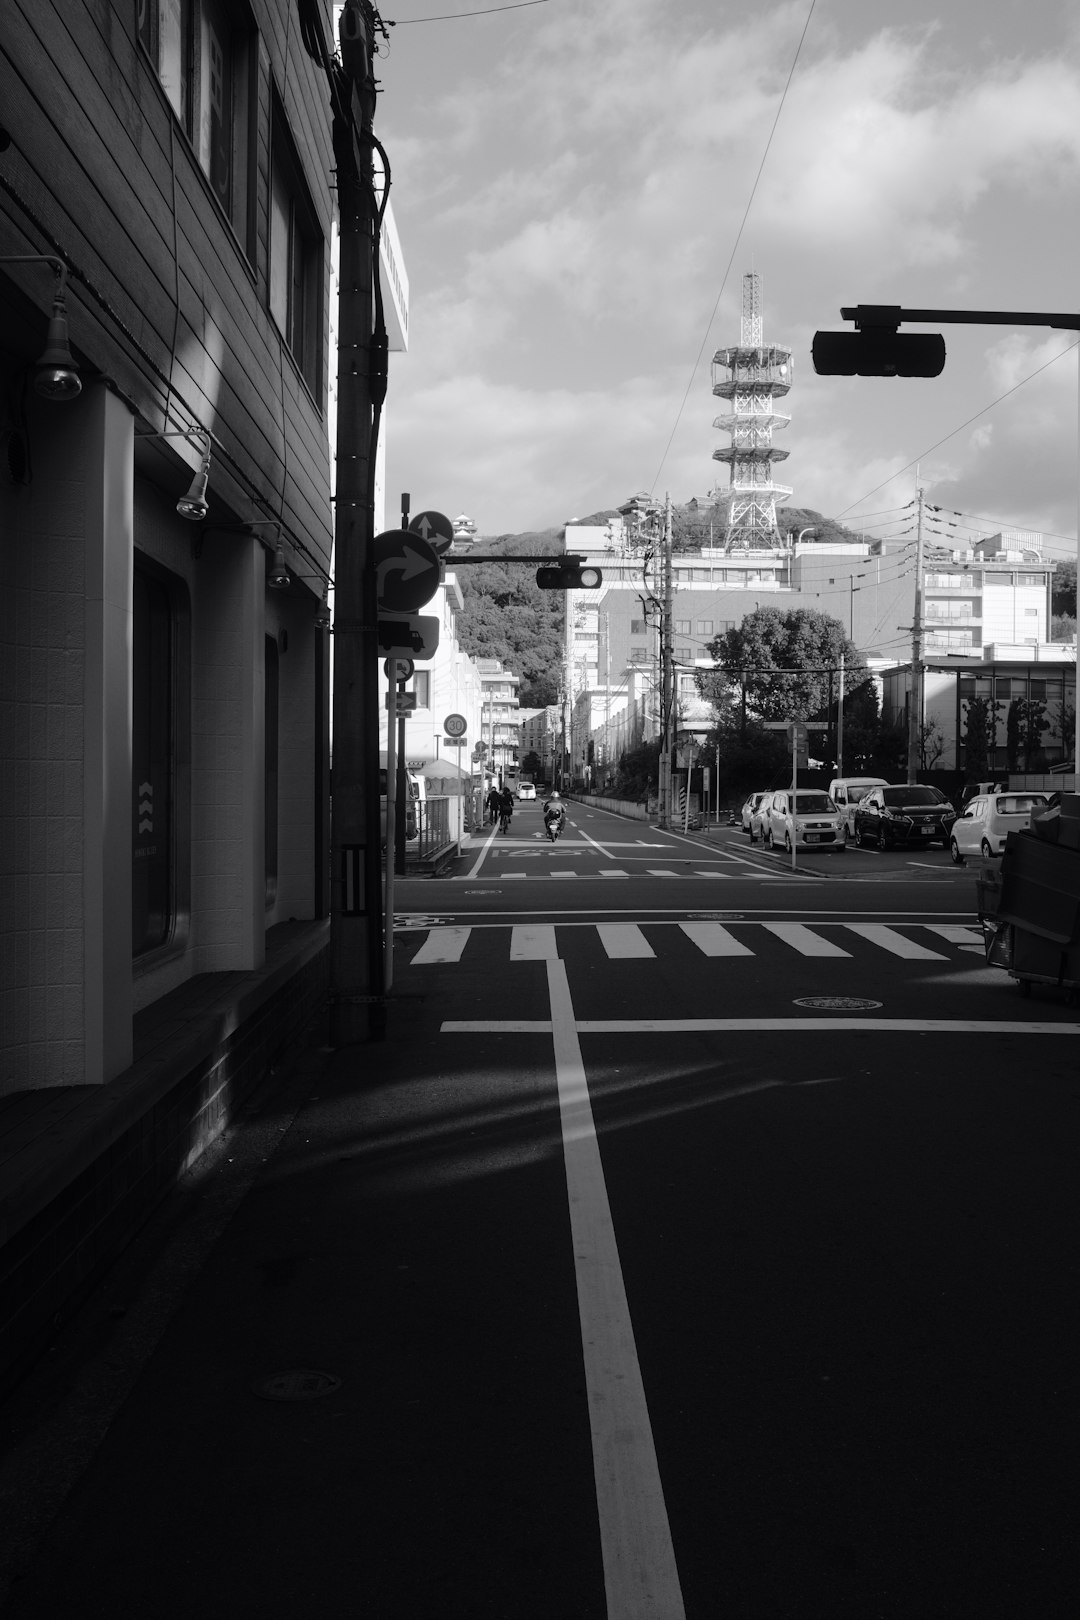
x=443, y=945
x=896, y=944
x=534, y=943
x=472, y=872
x=804, y=940
x=606, y=853
x=641, y=1579
x=713, y=874
x=714, y=940
x=503, y=875
x=769, y=1026
x=613, y=871
x=624, y=940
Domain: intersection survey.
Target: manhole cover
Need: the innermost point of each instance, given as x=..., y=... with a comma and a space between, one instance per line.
x=300, y=1384
x=836, y=1003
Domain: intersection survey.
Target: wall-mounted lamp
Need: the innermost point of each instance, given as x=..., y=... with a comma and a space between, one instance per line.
x=279, y=578
x=192, y=505
x=56, y=376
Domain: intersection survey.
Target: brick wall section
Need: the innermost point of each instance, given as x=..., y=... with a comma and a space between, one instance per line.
x=83, y=1167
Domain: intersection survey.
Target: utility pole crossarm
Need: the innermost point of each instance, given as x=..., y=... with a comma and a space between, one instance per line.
x=892, y=315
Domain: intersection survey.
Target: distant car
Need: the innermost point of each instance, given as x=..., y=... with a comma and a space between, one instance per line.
x=526, y=790
x=816, y=823
x=912, y=814
x=984, y=824
x=748, y=810
x=759, y=817
x=846, y=791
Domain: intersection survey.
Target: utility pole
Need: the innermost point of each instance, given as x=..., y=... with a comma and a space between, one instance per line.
x=914, y=748
x=357, y=993
x=667, y=675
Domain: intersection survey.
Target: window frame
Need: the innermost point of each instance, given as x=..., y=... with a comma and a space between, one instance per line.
x=175, y=935
x=300, y=324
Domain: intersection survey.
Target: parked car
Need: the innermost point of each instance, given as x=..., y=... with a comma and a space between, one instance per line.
x=748, y=810
x=846, y=792
x=975, y=790
x=759, y=817
x=526, y=790
x=904, y=815
x=983, y=826
x=817, y=823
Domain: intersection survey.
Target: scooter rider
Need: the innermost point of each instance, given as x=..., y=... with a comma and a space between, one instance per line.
x=555, y=811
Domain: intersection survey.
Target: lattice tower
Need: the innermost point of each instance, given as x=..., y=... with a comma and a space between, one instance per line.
x=752, y=376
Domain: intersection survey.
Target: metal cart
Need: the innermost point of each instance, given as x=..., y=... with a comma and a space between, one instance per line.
x=1030, y=916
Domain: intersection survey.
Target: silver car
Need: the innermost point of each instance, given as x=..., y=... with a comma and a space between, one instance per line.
x=759, y=817
x=748, y=811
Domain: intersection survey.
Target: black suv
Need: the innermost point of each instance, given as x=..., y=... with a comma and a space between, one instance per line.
x=903, y=815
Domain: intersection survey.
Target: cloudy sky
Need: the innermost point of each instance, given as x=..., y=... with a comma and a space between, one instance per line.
x=580, y=186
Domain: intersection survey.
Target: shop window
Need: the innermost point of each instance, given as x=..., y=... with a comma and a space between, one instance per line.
x=159, y=755
x=296, y=257
x=271, y=699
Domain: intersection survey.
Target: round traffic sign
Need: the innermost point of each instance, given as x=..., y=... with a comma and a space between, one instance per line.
x=407, y=571
x=398, y=669
x=435, y=527
x=455, y=725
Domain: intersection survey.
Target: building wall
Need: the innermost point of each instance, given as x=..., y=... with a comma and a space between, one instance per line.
x=170, y=318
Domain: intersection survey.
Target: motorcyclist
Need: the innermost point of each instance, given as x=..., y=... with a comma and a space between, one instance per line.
x=555, y=812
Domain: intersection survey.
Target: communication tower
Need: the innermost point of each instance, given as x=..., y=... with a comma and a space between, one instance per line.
x=752, y=376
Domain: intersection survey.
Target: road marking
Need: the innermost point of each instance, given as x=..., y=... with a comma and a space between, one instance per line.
x=641, y=1580
x=560, y=874
x=443, y=945
x=605, y=852
x=768, y=1026
x=613, y=871
x=535, y=943
x=660, y=871
x=713, y=939
x=958, y=933
x=624, y=940
x=896, y=944
x=483, y=852
x=804, y=940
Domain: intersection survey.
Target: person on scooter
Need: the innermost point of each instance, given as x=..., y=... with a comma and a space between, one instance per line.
x=554, y=815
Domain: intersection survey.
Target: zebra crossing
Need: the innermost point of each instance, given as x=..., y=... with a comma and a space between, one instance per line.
x=624, y=941
x=620, y=872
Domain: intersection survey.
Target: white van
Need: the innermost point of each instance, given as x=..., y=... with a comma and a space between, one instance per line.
x=416, y=791
x=846, y=791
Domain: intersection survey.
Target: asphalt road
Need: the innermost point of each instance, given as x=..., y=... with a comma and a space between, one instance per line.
x=703, y=1241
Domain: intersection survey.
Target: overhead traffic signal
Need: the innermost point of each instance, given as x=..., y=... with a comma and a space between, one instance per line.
x=878, y=351
x=570, y=573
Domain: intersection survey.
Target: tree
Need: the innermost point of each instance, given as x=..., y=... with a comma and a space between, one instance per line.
x=1063, y=589
x=507, y=616
x=786, y=660
x=980, y=737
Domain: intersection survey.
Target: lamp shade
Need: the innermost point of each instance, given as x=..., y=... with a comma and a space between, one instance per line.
x=56, y=376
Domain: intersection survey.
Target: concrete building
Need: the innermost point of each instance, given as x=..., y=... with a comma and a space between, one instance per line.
x=166, y=177
x=500, y=721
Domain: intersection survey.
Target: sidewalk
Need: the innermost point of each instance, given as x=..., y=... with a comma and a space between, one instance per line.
x=369, y=1399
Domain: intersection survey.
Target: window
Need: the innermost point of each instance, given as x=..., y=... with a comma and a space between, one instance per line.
x=638, y=627
x=943, y=582
x=159, y=757
x=296, y=257
x=684, y=652
x=682, y=627
x=205, y=54
x=1030, y=579
x=270, y=769
x=421, y=685
x=704, y=627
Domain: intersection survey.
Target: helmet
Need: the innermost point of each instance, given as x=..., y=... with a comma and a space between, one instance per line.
x=555, y=795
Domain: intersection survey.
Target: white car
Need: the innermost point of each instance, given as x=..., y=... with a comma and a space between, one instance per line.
x=759, y=818
x=526, y=790
x=748, y=811
x=987, y=820
x=817, y=823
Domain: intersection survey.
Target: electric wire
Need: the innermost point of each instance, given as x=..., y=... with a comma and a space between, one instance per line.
x=455, y=16
x=734, y=249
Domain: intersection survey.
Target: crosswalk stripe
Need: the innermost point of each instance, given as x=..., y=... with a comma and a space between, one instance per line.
x=623, y=940
x=535, y=943
x=713, y=939
x=804, y=940
x=443, y=945
x=613, y=871
x=896, y=944
x=713, y=874
x=561, y=874
x=659, y=871
x=958, y=933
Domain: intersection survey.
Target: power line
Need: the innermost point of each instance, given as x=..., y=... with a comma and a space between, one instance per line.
x=453, y=16
x=735, y=248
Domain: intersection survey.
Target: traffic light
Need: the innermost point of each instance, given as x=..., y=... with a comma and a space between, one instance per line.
x=878, y=351
x=570, y=573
